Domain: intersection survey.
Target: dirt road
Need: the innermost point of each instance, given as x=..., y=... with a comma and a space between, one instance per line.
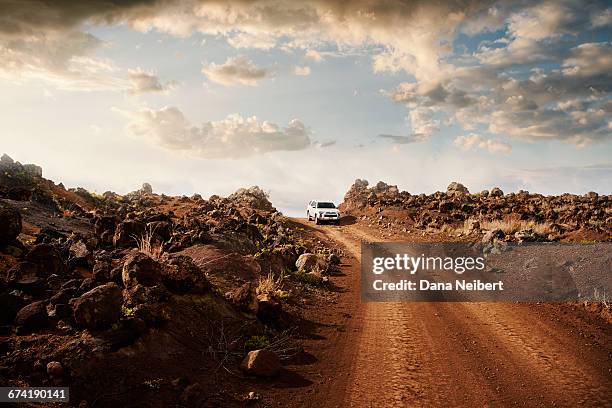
x=460, y=354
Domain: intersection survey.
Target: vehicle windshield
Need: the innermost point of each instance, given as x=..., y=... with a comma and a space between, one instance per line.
x=326, y=205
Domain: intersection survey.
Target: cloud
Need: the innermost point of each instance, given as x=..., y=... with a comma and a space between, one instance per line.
x=143, y=82
x=411, y=36
x=42, y=40
x=589, y=59
x=514, y=85
x=257, y=40
x=235, y=70
x=473, y=141
x=232, y=137
x=301, y=71
x=314, y=55
x=422, y=122
x=400, y=139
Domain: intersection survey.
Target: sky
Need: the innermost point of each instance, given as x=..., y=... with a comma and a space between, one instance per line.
x=302, y=98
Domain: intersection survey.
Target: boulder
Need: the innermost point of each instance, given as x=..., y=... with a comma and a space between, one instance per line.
x=10, y=224
x=62, y=296
x=161, y=231
x=104, y=223
x=261, y=363
x=47, y=259
x=102, y=268
x=141, y=269
x=98, y=308
x=146, y=189
x=253, y=197
x=268, y=309
x=310, y=263
x=32, y=317
x=496, y=192
x=492, y=235
x=128, y=232
x=182, y=275
x=457, y=188
x=244, y=298
x=140, y=294
x=22, y=270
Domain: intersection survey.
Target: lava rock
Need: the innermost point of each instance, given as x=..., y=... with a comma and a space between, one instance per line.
x=496, y=192
x=261, y=363
x=268, y=309
x=98, y=308
x=309, y=262
x=32, y=317
x=48, y=260
x=457, y=188
x=182, y=275
x=10, y=224
x=141, y=269
x=127, y=233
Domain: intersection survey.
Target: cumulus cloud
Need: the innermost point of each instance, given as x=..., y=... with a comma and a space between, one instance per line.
x=473, y=141
x=44, y=40
x=314, y=55
x=232, y=137
x=301, y=71
x=589, y=59
x=143, y=82
x=513, y=86
x=411, y=36
x=236, y=70
x=422, y=122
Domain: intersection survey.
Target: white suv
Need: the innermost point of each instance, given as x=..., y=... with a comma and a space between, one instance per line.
x=322, y=211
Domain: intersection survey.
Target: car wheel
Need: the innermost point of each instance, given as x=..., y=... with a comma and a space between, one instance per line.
x=317, y=221
x=308, y=215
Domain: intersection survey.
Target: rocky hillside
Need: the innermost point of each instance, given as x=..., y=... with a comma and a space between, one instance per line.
x=178, y=299
x=520, y=216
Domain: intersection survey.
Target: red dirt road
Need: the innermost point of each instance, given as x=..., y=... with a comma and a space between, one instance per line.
x=457, y=354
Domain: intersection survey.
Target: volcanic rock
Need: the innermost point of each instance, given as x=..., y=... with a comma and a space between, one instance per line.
x=261, y=363
x=139, y=268
x=10, y=224
x=98, y=308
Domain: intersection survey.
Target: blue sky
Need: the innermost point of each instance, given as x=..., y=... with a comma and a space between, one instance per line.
x=208, y=97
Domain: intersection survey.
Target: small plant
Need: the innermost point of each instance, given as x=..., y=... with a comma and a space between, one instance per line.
x=127, y=311
x=281, y=294
x=256, y=343
x=601, y=297
x=308, y=278
x=269, y=284
x=149, y=245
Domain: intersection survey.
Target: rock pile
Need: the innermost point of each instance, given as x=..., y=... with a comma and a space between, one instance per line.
x=458, y=208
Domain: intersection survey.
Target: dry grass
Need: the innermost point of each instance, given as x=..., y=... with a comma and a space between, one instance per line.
x=148, y=245
x=269, y=285
x=510, y=226
x=601, y=297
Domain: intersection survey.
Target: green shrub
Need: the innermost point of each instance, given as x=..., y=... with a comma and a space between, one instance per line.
x=256, y=343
